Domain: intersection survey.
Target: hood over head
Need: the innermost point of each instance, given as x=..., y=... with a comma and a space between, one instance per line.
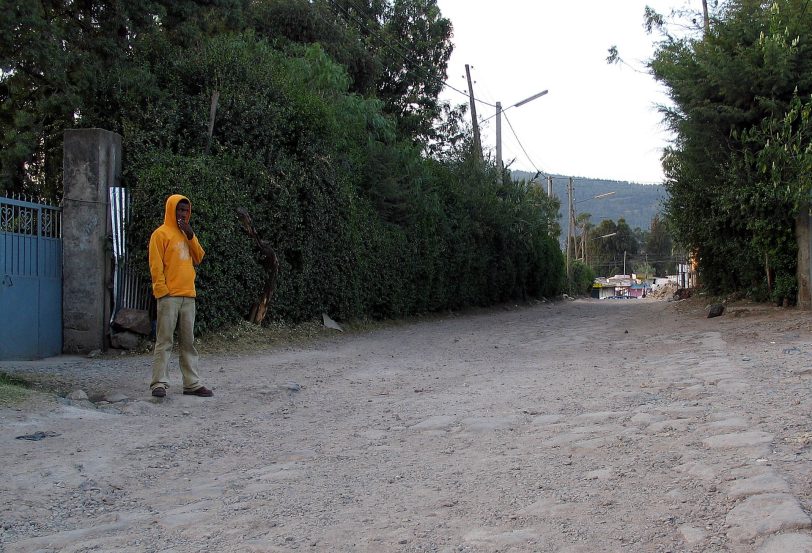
x=171, y=204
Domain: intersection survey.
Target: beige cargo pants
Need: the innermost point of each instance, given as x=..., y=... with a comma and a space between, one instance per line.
x=175, y=312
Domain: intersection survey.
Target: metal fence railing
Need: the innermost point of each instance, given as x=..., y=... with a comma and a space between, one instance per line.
x=30, y=235
x=129, y=289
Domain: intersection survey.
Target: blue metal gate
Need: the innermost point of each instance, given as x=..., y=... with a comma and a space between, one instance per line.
x=30, y=279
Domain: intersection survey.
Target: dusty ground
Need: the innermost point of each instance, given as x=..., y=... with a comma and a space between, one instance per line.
x=581, y=426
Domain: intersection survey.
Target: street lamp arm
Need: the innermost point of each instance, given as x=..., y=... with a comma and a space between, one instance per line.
x=530, y=99
x=517, y=104
x=604, y=195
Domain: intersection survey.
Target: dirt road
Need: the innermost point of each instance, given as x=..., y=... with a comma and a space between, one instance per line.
x=583, y=426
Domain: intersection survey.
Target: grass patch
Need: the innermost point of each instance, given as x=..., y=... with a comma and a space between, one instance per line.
x=245, y=337
x=13, y=390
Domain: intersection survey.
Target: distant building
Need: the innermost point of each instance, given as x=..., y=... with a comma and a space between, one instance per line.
x=640, y=290
x=686, y=275
x=602, y=290
x=619, y=285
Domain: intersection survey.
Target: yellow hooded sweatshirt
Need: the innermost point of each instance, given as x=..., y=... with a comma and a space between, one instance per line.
x=172, y=256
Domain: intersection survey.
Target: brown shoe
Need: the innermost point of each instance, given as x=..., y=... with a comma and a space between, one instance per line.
x=159, y=392
x=200, y=392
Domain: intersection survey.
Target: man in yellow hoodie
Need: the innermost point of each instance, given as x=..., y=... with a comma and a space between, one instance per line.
x=174, y=251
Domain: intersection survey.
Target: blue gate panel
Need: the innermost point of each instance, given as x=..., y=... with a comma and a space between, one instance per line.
x=30, y=280
x=50, y=317
x=50, y=297
x=20, y=314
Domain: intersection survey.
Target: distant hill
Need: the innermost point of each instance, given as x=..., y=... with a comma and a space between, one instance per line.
x=637, y=203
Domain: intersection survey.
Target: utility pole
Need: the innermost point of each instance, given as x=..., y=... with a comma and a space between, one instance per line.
x=550, y=185
x=474, y=122
x=569, y=225
x=573, y=219
x=499, y=138
x=707, y=19
x=498, y=116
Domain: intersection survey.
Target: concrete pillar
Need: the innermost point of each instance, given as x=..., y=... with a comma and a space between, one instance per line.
x=91, y=164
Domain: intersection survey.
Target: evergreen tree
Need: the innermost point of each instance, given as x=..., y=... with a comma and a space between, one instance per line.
x=728, y=86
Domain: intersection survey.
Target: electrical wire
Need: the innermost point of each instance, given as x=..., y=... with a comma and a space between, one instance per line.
x=512, y=130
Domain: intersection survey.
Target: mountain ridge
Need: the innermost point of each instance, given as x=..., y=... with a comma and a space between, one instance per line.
x=637, y=203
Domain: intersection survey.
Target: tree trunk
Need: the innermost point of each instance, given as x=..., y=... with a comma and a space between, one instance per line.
x=269, y=262
x=802, y=237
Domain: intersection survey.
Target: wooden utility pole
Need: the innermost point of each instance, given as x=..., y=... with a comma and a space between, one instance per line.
x=474, y=121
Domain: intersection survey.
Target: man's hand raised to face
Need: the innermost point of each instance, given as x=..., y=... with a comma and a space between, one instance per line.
x=182, y=211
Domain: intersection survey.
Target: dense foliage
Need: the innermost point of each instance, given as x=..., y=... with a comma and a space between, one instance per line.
x=327, y=129
x=738, y=172
x=611, y=248
x=582, y=277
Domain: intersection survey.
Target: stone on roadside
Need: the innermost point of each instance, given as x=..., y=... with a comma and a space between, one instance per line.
x=290, y=386
x=115, y=397
x=716, y=310
x=77, y=395
x=136, y=408
x=133, y=320
x=763, y=483
x=765, y=514
x=80, y=403
x=797, y=543
x=330, y=323
x=738, y=439
x=691, y=534
x=109, y=408
x=599, y=474
x=125, y=340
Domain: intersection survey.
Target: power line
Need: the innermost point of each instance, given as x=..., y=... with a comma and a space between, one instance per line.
x=522, y=146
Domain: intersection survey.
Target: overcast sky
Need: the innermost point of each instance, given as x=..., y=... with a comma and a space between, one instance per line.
x=597, y=120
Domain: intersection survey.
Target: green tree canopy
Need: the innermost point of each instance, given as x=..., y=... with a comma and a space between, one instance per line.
x=326, y=116
x=732, y=198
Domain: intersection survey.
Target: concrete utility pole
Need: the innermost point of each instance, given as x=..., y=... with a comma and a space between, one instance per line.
x=499, y=136
x=570, y=223
x=550, y=185
x=474, y=122
x=705, y=13
x=498, y=116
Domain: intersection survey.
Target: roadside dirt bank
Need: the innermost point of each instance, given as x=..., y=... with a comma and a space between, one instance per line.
x=576, y=427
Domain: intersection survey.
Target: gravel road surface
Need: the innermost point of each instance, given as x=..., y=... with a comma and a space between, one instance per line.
x=583, y=426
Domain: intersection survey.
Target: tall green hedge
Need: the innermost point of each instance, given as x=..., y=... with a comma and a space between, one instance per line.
x=362, y=222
